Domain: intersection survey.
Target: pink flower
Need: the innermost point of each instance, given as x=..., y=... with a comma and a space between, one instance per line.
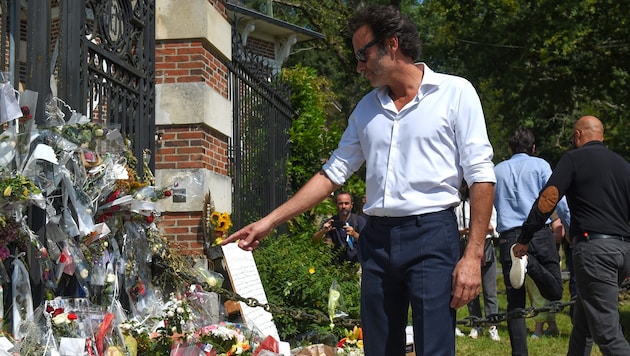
x=4, y=253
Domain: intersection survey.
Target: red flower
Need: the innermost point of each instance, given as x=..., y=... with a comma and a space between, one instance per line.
x=167, y=193
x=341, y=343
x=72, y=316
x=49, y=309
x=150, y=218
x=26, y=112
x=57, y=312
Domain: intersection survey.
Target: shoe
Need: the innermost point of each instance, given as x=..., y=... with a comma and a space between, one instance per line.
x=534, y=336
x=474, y=333
x=518, y=270
x=458, y=332
x=494, y=333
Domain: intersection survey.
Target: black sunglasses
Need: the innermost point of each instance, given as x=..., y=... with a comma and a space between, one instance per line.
x=360, y=54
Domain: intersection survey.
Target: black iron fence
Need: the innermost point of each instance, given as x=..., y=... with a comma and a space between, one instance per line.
x=97, y=56
x=260, y=145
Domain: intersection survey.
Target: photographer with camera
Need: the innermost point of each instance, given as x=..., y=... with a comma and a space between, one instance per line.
x=342, y=230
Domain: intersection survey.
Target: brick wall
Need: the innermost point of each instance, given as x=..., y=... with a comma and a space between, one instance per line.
x=186, y=62
x=183, y=231
x=261, y=47
x=192, y=147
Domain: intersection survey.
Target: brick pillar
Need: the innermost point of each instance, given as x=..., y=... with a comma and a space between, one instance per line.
x=193, y=115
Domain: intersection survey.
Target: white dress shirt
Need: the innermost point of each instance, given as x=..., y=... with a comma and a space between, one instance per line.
x=416, y=157
x=462, y=213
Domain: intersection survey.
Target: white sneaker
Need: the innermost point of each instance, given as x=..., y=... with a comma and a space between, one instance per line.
x=458, y=332
x=474, y=333
x=518, y=270
x=494, y=333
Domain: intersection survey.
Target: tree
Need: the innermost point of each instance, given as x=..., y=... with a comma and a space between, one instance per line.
x=540, y=64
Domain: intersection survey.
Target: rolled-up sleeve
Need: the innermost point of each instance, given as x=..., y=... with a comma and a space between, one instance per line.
x=475, y=150
x=347, y=158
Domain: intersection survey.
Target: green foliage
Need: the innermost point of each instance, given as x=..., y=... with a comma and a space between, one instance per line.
x=297, y=274
x=313, y=136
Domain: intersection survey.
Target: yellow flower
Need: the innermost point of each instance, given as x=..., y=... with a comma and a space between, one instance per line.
x=214, y=218
x=8, y=190
x=311, y=270
x=223, y=222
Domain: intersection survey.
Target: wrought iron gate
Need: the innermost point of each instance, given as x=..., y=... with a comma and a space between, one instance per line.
x=100, y=52
x=260, y=147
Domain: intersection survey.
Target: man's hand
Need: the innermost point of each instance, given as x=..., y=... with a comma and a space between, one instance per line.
x=250, y=236
x=466, y=282
x=351, y=232
x=520, y=250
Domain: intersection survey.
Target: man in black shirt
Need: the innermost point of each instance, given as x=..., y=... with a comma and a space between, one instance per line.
x=342, y=230
x=596, y=182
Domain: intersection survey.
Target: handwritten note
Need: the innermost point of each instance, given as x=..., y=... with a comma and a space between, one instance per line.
x=246, y=282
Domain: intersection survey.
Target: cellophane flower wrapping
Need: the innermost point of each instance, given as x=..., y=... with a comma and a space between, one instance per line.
x=100, y=235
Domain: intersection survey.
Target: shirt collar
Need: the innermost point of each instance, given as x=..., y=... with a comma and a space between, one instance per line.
x=430, y=79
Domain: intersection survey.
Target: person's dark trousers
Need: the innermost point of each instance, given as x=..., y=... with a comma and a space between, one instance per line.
x=600, y=268
x=408, y=260
x=587, y=343
x=544, y=269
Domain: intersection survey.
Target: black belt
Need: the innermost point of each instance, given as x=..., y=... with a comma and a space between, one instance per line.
x=396, y=220
x=586, y=236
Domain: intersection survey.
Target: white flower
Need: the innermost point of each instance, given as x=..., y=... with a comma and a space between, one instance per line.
x=85, y=273
x=180, y=310
x=61, y=318
x=111, y=277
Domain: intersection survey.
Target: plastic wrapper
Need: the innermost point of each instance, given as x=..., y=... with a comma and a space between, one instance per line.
x=84, y=219
x=186, y=350
x=336, y=304
x=205, y=306
x=71, y=322
x=9, y=103
x=137, y=256
x=53, y=115
x=22, y=297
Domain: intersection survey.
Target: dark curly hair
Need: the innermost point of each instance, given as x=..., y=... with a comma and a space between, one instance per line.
x=522, y=141
x=387, y=21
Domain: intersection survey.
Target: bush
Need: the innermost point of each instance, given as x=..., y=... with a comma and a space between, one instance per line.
x=297, y=275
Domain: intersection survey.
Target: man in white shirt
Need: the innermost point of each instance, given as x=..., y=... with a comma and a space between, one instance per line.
x=419, y=133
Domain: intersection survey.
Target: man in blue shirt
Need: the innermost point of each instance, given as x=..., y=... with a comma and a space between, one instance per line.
x=519, y=181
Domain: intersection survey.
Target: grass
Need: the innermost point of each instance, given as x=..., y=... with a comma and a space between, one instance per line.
x=546, y=345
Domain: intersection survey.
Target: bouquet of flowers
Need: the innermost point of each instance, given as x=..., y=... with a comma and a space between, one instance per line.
x=221, y=224
x=352, y=344
x=225, y=339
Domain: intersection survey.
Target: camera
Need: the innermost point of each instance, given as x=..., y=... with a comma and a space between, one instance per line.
x=337, y=224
